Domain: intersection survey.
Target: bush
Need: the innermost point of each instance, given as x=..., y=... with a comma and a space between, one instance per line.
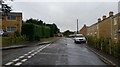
x=35, y=32
x=104, y=44
x=13, y=39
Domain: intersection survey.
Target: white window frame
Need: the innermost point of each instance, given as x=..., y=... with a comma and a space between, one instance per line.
x=11, y=19
x=10, y=30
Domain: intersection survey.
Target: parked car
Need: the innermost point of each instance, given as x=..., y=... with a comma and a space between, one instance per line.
x=5, y=33
x=1, y=32
x=79, y=38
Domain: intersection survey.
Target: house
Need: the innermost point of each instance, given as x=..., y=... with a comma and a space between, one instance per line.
x=108, y=27
x=12, y=22
x=83, y=30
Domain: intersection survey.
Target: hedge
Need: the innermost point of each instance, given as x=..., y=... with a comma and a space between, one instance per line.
x=6, y=41
x=35, y=32
x=106, y=45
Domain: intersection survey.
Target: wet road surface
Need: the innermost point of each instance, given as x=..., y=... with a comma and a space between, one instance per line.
x=62, y=52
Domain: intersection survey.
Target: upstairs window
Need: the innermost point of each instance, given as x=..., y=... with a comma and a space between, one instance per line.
x=11, y=29
x=13, y=18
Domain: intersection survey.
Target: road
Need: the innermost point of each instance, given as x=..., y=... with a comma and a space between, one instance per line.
x=62, y=52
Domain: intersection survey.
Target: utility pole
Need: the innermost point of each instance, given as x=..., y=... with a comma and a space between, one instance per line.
x=77, y=26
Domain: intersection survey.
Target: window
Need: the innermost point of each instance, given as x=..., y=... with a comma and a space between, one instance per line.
x=11, y=17
x=11, y=28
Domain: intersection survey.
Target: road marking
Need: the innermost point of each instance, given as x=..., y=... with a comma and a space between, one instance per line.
x=29, y=56
x=29, y=52
x=23, y=60
x=37, y=50
x=25, y=54
x=32, y=50
x=15, y=60
x=9, y=63
x=17, y=64
x=41, y=46
x=21, y=57
x=32, y=54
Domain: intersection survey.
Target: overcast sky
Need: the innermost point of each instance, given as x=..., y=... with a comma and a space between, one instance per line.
x=65, y=13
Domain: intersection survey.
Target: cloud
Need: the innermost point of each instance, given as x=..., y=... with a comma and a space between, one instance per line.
x=66, y=0
x=65, y=14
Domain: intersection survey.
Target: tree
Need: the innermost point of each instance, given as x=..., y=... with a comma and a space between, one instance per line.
x=68, y=32
x=34, y=21
x=56, y=30
x=5, y=8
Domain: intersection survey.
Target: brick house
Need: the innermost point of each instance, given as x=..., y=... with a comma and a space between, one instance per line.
x=12, y=22
x=108, y=27
x=83, y=30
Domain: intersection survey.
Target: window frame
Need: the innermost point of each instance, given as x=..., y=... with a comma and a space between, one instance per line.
x=11, y=29
x=11, y=19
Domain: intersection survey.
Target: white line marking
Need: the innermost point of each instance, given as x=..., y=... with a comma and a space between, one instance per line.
x=15, y=60
x=23, y=60
x=25, y=54
x=32, y=54
x=35, y=52
x=29, y=52
x=32, y=50
x=17, y=64
x=41, y=46
x=29, y=56
x=9, y=63
x=21, y=57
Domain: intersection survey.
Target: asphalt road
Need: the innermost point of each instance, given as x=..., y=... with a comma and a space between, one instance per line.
x=62, y=52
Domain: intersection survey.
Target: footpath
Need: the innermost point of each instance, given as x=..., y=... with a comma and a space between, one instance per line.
x=107, y=58
x=28, y=44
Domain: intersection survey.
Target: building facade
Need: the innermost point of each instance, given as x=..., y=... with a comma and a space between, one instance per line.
x=12, y=22
x=108, y=27
x=83, y=30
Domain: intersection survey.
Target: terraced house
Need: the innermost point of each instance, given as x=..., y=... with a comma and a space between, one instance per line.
x=12, y=22
x=108, y=27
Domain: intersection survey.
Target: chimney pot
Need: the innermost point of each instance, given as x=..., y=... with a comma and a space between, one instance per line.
x=104, y=17
x=99, y=19
x=110, y=13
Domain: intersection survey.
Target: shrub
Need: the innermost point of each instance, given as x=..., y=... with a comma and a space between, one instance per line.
x=106, y=45
x=35, y=32
x=13, y=39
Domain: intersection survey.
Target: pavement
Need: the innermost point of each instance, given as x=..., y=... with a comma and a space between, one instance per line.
x=33, y=43
x=107, y=58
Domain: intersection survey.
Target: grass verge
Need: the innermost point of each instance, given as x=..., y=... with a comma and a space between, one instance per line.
x=46, y=39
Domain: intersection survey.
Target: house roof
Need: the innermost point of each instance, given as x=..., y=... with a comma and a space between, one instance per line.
x=13, y=13
x=105, y=19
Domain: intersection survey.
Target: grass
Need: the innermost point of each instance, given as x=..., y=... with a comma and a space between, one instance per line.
x=46, y=39
x=7, y=41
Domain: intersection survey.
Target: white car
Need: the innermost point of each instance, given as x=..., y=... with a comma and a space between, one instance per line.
x=1, y=32
x=79, y=38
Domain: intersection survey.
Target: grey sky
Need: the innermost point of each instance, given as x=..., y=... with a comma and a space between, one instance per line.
x=64, y=14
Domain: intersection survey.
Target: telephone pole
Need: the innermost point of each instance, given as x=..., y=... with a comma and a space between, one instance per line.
x=77, y=26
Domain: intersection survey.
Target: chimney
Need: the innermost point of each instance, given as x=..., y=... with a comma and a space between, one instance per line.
x=110, y=13
x=104, y=17
x=99, y=19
